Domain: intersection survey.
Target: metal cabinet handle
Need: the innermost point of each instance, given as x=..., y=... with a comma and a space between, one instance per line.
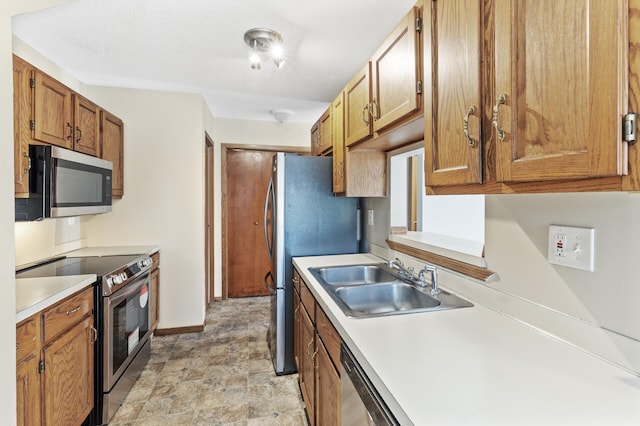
x=375, y=110
x=471, y=141
x=79, y=134
x=313, y=358
x=364, y=117
x=496, y=115
x=95, y=334
x=70, y=127
x=26, y=171
x=73, y=311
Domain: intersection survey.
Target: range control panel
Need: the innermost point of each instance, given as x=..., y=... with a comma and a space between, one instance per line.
x=571, y=246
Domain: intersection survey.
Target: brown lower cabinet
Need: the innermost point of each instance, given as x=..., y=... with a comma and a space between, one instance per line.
x=155, y=290
x=54, y=371
x=317, y=355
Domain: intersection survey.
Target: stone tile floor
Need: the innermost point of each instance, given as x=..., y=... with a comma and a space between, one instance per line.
x=222, y=376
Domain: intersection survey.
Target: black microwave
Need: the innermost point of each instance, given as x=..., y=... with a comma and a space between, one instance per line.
x=64, y=183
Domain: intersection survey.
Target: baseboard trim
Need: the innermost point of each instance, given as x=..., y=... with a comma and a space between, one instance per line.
x=179, y=330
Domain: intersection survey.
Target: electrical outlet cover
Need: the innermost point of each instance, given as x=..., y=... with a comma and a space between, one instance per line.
x=571, y=246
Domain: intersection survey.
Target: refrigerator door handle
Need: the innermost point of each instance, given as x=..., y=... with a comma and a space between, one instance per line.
x=270, y=197
x=266, y=284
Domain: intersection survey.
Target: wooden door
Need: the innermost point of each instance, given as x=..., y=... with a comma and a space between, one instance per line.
x=68, y=376
x=315, y=138
x=337, y=124
x=28, y=392
x=395, y=71
x=307, y=366
x=21, y=126
x=112, y=149
x=560, y=88
x=452, y=97
x=327, y=389
x=297, y=305
x=357, y=119
x=247, y=260
x=52, y=111
x=326, y=130
x=87, y=126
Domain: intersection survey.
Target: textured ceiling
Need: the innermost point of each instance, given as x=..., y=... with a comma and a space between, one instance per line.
x=197, y=46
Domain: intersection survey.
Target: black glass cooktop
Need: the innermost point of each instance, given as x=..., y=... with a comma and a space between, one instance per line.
x=99, y=265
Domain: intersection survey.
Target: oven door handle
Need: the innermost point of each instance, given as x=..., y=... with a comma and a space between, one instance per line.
x=128, y=290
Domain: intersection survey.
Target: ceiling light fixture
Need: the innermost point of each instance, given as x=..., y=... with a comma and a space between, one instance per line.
x=264, y=42
x=282, y=115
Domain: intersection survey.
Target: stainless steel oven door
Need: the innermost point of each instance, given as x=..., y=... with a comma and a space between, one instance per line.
x=126, y=327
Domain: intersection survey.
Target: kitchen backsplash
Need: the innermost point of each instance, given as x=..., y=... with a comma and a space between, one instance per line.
x=47, y=238
x=596, y=311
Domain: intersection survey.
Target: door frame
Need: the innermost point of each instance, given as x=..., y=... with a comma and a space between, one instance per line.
x=209, y=233
x=225, y=148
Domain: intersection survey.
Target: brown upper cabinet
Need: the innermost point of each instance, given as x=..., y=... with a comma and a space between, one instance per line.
x=52, y=118
x=560, y=72
x=452, y=96
x=47, y=112
x=86, y=136
x=112, y=149
x=387, y=91
x=357, y=120
x=315, y=138
x=529, y=96
x=337, y=126
x=326, y=132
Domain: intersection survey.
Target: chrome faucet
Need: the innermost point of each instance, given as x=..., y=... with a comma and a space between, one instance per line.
x=434, y=279
x=402, y=271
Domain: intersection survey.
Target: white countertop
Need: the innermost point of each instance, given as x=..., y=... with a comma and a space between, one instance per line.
x=36, y=294
x=113, y=251
x=475, y=366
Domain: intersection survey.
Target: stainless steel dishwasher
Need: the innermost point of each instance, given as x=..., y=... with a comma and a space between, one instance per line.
x=360, y=402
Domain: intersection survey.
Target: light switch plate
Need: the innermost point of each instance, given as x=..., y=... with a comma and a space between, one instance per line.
x=370, y=217
x=571, y=246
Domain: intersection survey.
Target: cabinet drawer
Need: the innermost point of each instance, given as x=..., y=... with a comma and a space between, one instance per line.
x=66, y=313
x=329, y=337
x=26, y=337
x=308, y=301
x=296, y=280
x=156, y=260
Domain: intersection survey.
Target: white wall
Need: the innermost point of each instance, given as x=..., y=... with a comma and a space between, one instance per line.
x=597, y=311
x=244, y=132
x=163, y=201
x=7, y=232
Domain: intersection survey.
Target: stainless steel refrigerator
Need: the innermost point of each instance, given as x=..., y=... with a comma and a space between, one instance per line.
x=302, y=218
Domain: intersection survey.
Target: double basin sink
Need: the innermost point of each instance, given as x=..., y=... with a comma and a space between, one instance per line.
x=363, y=291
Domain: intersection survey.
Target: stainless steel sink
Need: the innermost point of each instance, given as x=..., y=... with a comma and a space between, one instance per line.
x=364, y=291
x=380, y=299
x=353, y=275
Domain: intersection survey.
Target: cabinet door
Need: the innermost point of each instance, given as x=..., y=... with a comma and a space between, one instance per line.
x=28, y=392
x=326, y=140
x=307, y=367
x=68, y=376
x=357, y=119
x=296, y=328
x=315, y=138
x=112, y=149
x=560, y=71
x=337, y=123
x=395, y=71
x=21, y=126
x=87, y=126
x=52, y=107
x=327, y=389
x=452, y=98
x=155, y=298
